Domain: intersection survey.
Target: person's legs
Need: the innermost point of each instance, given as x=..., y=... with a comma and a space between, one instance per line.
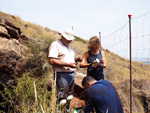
x=62, y=88
x=65, y=85
x=70, y=80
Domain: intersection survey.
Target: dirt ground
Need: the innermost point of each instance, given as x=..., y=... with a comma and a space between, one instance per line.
x=78, y=100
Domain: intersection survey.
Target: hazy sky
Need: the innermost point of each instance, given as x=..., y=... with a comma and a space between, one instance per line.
x=88, y=17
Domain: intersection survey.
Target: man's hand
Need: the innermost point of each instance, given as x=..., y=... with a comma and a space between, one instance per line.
x=72, y=65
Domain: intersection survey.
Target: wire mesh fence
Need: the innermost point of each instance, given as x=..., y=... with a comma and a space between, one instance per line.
x=118, y=41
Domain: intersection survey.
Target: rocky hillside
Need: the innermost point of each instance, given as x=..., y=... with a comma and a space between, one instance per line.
x=12, y=59
x=24, y=47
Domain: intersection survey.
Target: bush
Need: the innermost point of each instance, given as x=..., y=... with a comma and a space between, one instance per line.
x=38, y=63
x=30, y=95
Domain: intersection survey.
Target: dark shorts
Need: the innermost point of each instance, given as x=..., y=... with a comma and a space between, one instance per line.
x=96, y=73
x=65, y=83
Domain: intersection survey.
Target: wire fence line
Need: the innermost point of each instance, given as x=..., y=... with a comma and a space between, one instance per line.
x=118, y=41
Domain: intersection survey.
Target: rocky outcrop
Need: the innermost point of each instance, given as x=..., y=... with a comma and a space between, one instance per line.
x=11, y=25
x=10, y=64
x=12, y=55
x=3, y=31
x=9, y=30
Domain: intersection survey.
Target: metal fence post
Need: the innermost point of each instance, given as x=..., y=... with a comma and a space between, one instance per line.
x=100, y=36
x=130, y=63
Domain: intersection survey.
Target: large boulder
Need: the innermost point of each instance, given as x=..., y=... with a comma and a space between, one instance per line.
x=12, y=60
x=11, y=63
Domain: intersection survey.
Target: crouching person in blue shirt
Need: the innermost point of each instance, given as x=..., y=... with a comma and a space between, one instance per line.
x=102, y=96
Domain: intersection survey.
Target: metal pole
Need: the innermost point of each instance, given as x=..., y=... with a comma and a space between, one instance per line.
x=100, y=36
x=130, y=64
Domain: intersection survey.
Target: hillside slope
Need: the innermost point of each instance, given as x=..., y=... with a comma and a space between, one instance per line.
x=24, y=48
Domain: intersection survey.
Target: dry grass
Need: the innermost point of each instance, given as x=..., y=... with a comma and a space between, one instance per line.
x=78, y=47
x=118, y=72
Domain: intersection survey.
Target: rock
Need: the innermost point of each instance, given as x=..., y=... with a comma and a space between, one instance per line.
x=13, y=45
x=146, y=100
x=11, y=63
x=8, y=23
x=9, y=30
x=3, y=32
x=23, y=39
x=3, y=29
x=12, y=32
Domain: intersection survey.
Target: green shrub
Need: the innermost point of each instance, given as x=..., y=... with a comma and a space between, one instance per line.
x=29, y=96
x=39, y=57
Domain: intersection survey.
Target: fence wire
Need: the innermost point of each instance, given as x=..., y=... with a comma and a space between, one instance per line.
x=118, y=41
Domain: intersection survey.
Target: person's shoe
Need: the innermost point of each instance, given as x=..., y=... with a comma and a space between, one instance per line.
x=70, y=97
x=62, y=102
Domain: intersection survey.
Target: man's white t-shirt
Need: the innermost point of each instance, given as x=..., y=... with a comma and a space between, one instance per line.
x=61, y=52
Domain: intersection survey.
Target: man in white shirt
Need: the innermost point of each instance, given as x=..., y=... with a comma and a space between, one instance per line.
x=62, y=58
